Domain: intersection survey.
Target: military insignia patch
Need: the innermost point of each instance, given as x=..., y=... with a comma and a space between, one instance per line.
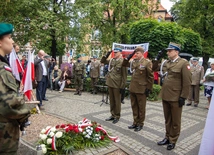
x=188, y=67
x=8, y=68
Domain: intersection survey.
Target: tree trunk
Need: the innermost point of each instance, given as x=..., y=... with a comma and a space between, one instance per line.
x=205, y=61
x=53, y=46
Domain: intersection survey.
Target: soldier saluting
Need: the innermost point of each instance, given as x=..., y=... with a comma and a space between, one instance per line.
x=13, y=111
x=175, y=89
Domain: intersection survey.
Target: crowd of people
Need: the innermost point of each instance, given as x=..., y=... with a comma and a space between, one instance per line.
x=181, y=81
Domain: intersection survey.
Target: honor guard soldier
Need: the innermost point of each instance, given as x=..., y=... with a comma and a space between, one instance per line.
x=197, y=76
x=79, y=74
x=94, y=74
x=115, y=80
x=140, y=86
x=13, y=111
x=175, y=89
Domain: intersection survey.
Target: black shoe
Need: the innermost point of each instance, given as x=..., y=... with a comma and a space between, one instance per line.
x=45, y=99
x=163, y=142
x=92, y=92
x=138, y=128
x=115, y=121
x=95, y=92
x=77, y=93
x=195, y=105
x=122, y=102
x=109, y=119
x=132, y=126
x=188, y=104
x=80, y=93
x=170, y=146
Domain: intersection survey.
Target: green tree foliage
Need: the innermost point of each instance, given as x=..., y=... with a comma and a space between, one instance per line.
x=159, y=34
x=111, y=18
x=199, y=16
x=47, y=24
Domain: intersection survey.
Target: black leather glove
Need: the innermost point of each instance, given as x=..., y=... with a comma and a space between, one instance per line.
x=107, y=55
x=147, y=92
x=82, y=77
x=130, y=55
x=160, y=54
x=181, y=101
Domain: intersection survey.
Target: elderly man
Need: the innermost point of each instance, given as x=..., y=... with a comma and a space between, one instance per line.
x=197, y=76
x=115, y=80
x=41, y=76
x=175, y=89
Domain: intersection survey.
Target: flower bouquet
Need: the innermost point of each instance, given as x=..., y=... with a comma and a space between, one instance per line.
x=209, y=77
x=65, y=138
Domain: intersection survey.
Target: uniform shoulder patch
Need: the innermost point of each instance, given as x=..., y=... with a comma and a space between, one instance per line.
x=188, y=67
x=8, y=68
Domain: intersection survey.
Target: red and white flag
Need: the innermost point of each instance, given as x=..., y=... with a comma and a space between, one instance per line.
x=29, y=76
x=15, y=65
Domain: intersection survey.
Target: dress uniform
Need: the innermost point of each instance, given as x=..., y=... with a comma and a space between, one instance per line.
x=13, y=110
x=197, y=76
x=175, y=89
x=141, y=84
x=115, y=80
x=94, y=73
x=79, y=73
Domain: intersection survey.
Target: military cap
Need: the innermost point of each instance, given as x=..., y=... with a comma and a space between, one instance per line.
x=117, y=50
x=78, y=56
x=195, y=59
x=139, y=49
x=5, y=28
x=95, y=57
x=174, y=46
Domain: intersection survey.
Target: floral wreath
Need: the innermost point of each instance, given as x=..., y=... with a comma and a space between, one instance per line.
x=66, y=138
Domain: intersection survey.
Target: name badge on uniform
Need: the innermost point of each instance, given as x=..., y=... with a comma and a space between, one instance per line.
x=141, y=66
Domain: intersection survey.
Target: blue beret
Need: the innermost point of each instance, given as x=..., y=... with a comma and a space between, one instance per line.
x=117, y=50
x=5, y=28
x=78, y=56
x=94, y=56
x=174, y=46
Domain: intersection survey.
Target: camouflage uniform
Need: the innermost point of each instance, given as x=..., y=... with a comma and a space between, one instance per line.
x=79, y=73
x=13, y=110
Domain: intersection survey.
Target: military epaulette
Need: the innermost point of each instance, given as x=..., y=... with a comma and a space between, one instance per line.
x=8, y=68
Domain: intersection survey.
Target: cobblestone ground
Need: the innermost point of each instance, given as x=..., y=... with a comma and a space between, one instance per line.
x=69, y=107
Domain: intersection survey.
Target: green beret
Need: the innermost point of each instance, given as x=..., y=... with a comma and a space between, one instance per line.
x=78, y=56
x=5, y=29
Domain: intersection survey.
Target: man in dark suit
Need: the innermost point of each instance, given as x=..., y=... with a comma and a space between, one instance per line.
x=174, y=91
x=41, y=76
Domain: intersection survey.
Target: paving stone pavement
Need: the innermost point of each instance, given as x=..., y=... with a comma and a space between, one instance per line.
x=75, y=108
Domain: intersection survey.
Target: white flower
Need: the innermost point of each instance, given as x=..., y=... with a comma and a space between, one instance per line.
x=48, y=127
x=43, y=136
x=84, y=133
x=53, y=129
x=58, y=134
x=43, y=146
x=49, y=141
x=51, y=134
x=43, y=131
x=87, y=136
x=44, y=150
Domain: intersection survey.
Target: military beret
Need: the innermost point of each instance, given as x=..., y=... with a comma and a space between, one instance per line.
x=174, y=46
x=78, y=56
x=117, y=50
x=195, y=59
x=5, y=28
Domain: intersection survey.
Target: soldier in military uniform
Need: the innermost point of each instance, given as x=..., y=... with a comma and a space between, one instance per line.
x=79, y=73
x=140, y=86
x=175, y=89
x=94, y=73
x=13, y=110
x=115, y=80
x=197, y=76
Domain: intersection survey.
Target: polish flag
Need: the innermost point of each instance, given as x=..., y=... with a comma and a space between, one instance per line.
x=29, y=76
x=15, y=65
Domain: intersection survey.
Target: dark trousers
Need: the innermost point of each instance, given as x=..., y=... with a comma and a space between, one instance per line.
x=172, y=114
x=138, y=103
x=41, y=89
x=115, y=102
